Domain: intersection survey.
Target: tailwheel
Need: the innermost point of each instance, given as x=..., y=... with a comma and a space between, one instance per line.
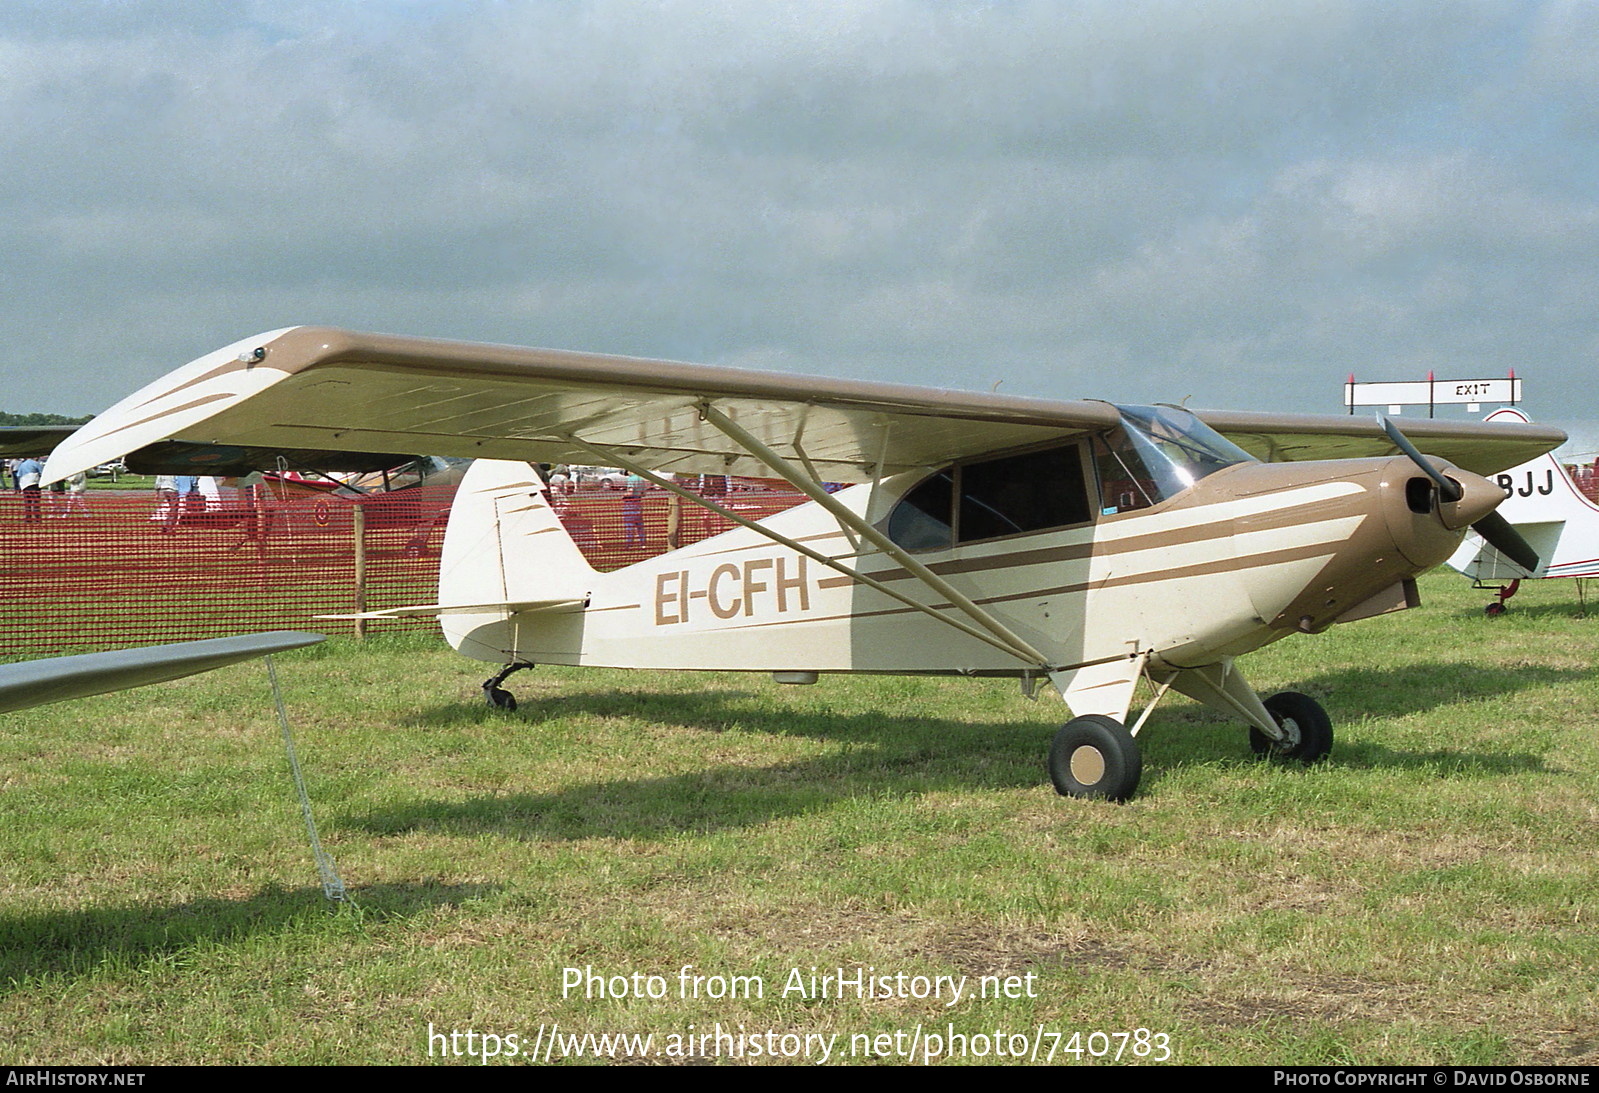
x=1307, y=731
x=1499, y=606
x=1095, y=756
x=497, y=696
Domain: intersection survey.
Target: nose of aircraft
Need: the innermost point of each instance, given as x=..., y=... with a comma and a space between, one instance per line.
x=1426, y=528
x=1478, y=498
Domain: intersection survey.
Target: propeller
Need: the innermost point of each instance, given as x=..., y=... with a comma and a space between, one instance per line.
x=1495, y=530
x=1498, y=533
x=1448, y=490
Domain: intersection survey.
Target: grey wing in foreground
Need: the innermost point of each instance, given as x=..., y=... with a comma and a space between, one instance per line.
x=55, y=679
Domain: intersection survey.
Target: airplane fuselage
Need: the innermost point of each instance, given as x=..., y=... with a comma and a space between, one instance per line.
x=1240, y=559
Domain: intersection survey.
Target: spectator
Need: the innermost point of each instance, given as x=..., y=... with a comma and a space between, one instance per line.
x=28, y=473
x=633, y=511
x=166, y=502
x=70, y=499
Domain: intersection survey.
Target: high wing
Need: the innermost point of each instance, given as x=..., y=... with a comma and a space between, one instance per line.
x=315, y=388
x=1279, y=438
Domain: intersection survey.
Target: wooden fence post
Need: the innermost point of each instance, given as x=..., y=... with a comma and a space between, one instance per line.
x=358, y=524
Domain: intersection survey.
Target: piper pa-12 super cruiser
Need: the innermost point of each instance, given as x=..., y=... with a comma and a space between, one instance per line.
x=1089, y=545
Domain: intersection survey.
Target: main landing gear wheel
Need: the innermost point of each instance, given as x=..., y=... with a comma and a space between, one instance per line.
x=1308, y=735
x=1095, y=756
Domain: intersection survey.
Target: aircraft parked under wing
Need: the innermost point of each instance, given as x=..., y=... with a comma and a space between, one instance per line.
x=35, y=440
x=181, y=457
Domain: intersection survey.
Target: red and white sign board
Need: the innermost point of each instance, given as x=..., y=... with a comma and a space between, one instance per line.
x=1430, y=392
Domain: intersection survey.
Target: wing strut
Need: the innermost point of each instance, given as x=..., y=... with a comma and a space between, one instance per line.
x=848, y=519
x=612, y=458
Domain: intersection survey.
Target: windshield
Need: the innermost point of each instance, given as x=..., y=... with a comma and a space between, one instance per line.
x=1157, y=453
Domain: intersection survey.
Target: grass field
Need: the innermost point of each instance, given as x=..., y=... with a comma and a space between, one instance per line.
x=1429, y=895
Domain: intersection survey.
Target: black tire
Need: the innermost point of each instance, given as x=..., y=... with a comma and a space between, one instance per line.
x=1095, y=756
x=1495, y=609
x=501, y=699
x=1310, y=734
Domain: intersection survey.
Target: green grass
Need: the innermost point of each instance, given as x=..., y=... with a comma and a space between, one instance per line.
x=141, y=483
x=1427, y=896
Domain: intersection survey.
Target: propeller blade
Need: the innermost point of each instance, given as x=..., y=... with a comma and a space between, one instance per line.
x=1498, y=533
x=1447, y=491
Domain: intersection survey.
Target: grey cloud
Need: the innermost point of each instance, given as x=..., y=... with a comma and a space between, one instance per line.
x=1236, y=201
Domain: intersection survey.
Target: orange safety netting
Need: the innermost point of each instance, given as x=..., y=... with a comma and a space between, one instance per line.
x=106, y=569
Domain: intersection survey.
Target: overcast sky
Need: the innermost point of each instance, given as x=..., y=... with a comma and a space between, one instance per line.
x=1237, y=203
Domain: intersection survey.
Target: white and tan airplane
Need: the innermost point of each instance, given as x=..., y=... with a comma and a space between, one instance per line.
x=1545, y=506
x=1089, y=545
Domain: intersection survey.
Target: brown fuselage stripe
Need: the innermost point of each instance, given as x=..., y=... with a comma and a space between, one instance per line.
x=1225, y=565
x=1271, y=521
x=1289, y=516
x=1202, y=569
x=767, y=544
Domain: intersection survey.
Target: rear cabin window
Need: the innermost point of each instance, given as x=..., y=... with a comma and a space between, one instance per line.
x=997, y=497
x=925, y=518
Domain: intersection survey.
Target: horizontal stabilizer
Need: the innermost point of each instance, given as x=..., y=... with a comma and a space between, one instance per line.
x=54, y=679
x=428, y=610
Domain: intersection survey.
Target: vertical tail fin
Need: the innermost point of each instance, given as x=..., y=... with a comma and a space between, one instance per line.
x=505, y=545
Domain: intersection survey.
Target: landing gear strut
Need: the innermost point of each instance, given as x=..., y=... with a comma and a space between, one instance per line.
x=1307, y=731
x=497, y=696
x=1504, y=592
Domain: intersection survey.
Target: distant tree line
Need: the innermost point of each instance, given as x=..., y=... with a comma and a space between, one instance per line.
x=41, y=419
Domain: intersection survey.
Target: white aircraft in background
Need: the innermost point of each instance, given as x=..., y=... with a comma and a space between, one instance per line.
x=1094, y=546
x=1545, y=506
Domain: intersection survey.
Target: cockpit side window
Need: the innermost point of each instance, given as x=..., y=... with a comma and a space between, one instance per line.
x=992, y=498
x=1020, y=493
x=1125, y=483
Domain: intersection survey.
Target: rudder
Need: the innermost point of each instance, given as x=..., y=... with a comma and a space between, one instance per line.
x=504, y=544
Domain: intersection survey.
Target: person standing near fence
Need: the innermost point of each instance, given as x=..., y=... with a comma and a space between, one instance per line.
x=28, y=473
x=189, y=499
x=77, y=487
x=166, y=501
x=633, y=511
